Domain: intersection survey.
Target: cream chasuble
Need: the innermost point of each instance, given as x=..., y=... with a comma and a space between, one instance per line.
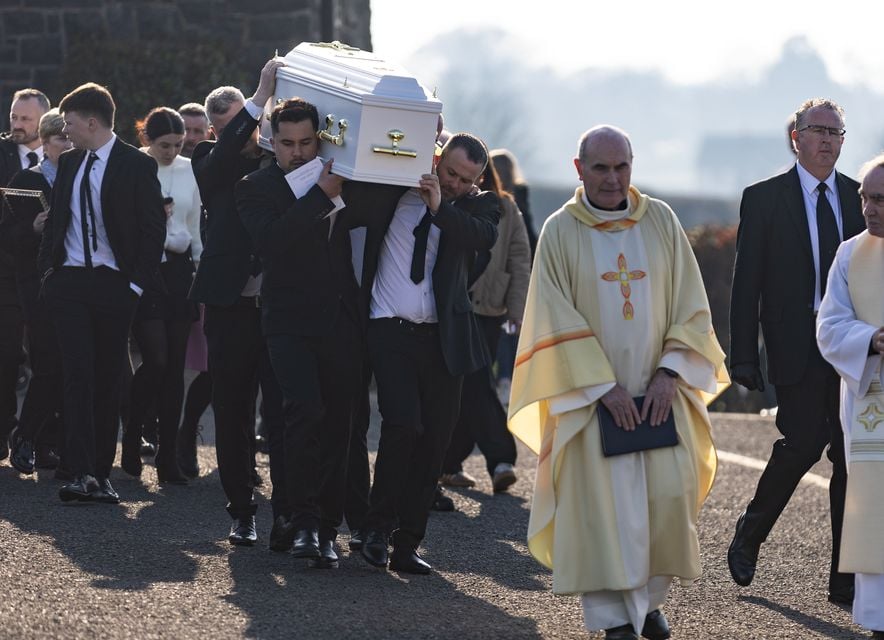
x=851, y=312
x=611, y=300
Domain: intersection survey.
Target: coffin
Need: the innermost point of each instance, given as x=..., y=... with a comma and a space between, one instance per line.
x=376, y=120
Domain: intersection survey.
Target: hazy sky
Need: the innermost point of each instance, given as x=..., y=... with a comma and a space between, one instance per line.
x=688, y=40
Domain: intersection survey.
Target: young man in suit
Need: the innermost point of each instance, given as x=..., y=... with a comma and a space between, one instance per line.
x=101, y=247
x=228, y=281
x=311, y=323
x=422, y=335
x=790, y=227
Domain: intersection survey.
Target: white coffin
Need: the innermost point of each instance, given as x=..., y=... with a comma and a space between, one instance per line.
x=375, y=119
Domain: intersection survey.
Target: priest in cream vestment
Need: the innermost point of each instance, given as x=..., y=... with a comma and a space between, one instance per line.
x=850, y=333
x=616, y=309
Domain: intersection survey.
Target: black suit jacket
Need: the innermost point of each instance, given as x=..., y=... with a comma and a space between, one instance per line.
x=10, y=164
x=774, y=277
x=308, y=276
x=468, y=227
x=131, y=206
x=228, y=254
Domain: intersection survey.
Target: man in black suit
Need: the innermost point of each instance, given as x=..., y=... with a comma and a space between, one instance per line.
x=310, y=319
x=101, y=247
x=20, y=148
x=228, y=281
x=790, y=226
x=422, y=335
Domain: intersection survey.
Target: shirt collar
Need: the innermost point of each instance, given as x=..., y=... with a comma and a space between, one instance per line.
x=607, y=215
x=103, y=152
x=23, y=152
x=810, y=184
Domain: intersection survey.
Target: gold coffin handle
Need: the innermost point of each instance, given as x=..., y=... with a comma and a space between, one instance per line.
x=326, y=134
x=396, y=137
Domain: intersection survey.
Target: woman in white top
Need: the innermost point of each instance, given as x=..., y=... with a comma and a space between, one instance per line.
x=163, y=318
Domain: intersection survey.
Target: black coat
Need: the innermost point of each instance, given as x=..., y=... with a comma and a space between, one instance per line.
x=10, y=164
x=774, y=277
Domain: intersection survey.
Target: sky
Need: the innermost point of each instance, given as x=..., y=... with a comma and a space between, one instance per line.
x=687, y=40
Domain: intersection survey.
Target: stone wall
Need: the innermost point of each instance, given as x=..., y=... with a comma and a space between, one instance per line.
x=37, y=36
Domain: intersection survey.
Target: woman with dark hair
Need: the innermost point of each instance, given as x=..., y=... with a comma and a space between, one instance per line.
x=163, y=318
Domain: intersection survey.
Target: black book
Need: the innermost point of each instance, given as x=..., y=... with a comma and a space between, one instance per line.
x=24, y=202
x=617, y=441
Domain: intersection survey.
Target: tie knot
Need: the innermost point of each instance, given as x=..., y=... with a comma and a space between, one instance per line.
x=94, y=156
x=821, y=187
x=32, y=159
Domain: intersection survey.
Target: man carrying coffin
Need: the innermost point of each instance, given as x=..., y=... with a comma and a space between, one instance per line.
x=311, y=324
x=616, y=309
x=850, y=333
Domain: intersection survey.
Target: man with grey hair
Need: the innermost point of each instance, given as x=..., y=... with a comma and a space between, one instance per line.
x=196, y=126
x=228, y=281
x=616, y=339
x=790, y=227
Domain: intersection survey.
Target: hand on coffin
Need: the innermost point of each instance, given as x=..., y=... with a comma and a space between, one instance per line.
x=267, y=82
x=431, y=193
x=658, y=398
x=622, y=408
x=328, y=182
x=40, y=221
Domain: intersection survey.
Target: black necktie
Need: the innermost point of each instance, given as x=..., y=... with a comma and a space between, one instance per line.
x=32, y=159
x=86, y=208
x=419, y=257
x=827, y=229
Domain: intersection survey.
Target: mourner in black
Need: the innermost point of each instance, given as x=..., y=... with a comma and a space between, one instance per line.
x=422, y=335
x=228, y=282
x=101, y=247
x=310, y=320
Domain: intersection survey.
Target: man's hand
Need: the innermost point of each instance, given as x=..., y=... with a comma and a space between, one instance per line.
x=328, y=182
x=40, y=221
x=431, y=193
x=747, y=375
x=267, y=83
x=877, y=339
x=622, y=408
x=658, y=398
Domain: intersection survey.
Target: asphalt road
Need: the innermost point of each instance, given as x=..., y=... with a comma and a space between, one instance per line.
x=159, y=566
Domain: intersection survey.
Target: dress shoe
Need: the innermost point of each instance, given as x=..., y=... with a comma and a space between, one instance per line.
x=623, y=632
x=106, y=493
x=306, y=544
x=355, y=540
x=842, y=595
x=503, y=478
x=147, y=447
x=243, y=531
x=459, y=479
x=130, y=459
x=21, y=453
x=282, y=534
x=656, y=626
x=327, y=559
x=83, y=489
x=742, y=556
x=375, y=548
x=441, y=502
x=186, y=450
x=46, y=458
x=406, y=560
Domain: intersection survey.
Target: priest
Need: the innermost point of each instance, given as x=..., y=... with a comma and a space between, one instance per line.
x=616, y=309
x=850, y=333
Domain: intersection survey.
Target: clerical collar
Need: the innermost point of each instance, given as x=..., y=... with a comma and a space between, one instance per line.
x=604, y=214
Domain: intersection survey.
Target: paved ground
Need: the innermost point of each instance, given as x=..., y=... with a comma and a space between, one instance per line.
x=159, y=567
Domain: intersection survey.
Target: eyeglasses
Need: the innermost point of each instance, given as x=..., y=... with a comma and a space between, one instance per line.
x=820, y=130
x=876, y=198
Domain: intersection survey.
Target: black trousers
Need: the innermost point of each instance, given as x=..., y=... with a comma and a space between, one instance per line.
x=92, y=309
x=319, y=377
x=482, y=420
x=237, y=359
x=807, y=416
x=419, y=402
x=356, y=500
x=11, y=354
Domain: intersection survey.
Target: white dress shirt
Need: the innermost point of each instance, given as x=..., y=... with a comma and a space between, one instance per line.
x=23, y=152
x=809, y=186
x=393, y=294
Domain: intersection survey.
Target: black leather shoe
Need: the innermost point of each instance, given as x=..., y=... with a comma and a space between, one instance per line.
x=282, y=534
x=147, y=447
x=106, y=493
x=441, y=502
x=243, y=531
x=842, y=596
x=623, y=632
x=21, y=453
x=406, y=560
x=130, y=459
x=375, y=548
x=83, y=489
x=742, y=556
x=355, y=543
x=327, y=559
x=656, y=626
x=46, y=458
x=306, y=544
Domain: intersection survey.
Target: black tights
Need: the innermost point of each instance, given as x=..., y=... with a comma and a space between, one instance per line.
x=199, y=396
x=159, y=380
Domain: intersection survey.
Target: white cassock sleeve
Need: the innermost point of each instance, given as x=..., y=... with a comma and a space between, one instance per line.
x=844, y=339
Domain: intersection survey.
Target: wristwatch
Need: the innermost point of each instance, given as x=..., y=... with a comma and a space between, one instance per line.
x=669, y=372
